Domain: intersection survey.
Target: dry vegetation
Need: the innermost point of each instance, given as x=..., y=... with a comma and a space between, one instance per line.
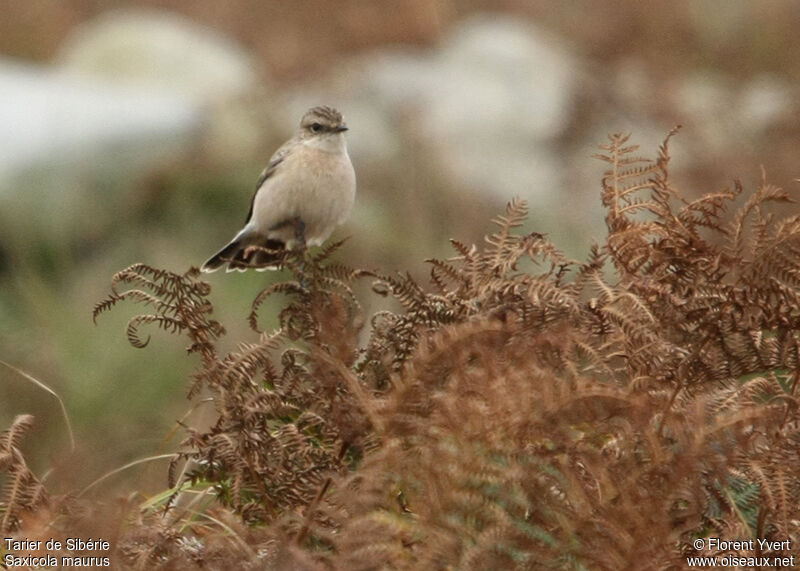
x=524, y=411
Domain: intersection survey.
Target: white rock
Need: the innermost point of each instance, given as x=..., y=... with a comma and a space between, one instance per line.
x=51, y=117
x=160, y=49
x=487, y=102
x=728, y=111
x=765, y=102
x=127, y=81
x=521, y=76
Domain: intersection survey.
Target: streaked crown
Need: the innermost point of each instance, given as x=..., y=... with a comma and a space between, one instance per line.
x=322, y=119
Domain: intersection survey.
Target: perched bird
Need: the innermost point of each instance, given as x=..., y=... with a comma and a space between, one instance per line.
x=307, y=189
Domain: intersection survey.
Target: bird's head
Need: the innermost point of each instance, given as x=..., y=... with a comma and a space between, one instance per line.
x=322, y=121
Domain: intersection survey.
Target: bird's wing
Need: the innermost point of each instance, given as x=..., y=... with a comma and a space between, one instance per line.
x=276, y=159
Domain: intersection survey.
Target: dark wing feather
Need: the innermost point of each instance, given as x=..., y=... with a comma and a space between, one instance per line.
x=274, y=161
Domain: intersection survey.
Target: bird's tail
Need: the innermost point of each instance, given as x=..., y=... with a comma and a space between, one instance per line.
x=247, y=252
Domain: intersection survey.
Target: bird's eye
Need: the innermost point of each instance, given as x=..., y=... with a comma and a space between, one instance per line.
x=316, y=127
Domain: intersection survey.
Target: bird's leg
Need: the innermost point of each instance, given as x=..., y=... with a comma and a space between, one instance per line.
x=300, y=232
x=300, y=239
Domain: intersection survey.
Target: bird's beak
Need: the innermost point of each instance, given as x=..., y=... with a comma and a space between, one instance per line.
x=341, y=128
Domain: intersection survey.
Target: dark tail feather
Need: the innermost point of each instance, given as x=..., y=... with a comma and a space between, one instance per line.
x=242, y=254
x=222, y=257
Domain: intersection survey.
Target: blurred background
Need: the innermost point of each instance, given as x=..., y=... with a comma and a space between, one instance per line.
x=135, y=131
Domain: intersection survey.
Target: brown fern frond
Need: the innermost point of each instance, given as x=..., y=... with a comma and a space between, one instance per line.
x=168, y=324
x=12, y=437
x=278, y=288
x=21, y=491
x=405, y=290
x=523, y=410
x=179, y=301
x=328, y=250
x=500, y=241
x=443, y=272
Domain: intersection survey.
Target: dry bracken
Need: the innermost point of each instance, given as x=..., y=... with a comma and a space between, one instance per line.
x=522, y=411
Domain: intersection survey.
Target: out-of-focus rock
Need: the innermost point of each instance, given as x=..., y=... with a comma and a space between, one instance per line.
x=765, y=102
x=727, y=119
x=54, y=119
x=507, y=75
x=489, y=102
x=729, y=110
x=145, y=47
x=129, y=86
x=166, y=52
x=706, y=102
